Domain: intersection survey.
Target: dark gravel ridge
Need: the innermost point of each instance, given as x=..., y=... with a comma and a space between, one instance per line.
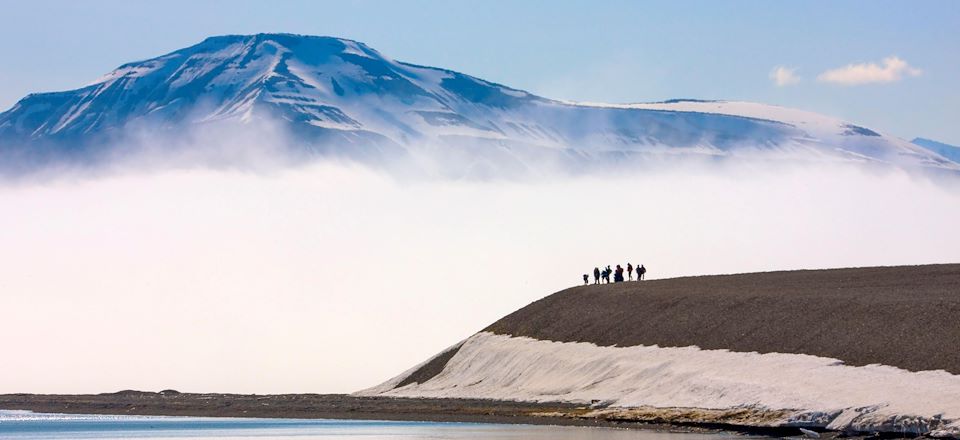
x=300, y=406
x=432, y=368
x=341, y=406
x=903, y=316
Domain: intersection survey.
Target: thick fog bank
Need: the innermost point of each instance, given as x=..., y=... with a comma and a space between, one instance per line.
x=332, y=278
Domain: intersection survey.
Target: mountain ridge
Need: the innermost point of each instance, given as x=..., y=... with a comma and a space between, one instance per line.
x=951, y=152
x=338, y=96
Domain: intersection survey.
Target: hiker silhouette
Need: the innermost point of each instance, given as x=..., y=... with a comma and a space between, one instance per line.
x=603, y=276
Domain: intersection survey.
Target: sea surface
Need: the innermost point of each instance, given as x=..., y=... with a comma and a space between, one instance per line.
x=29, y=425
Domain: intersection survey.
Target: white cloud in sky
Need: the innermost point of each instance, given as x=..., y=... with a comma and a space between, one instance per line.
x=784, y=76
x=892, y=69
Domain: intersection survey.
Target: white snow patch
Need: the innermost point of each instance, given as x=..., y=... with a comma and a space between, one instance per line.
x=332, y=125
x=838, y=396
x=354, y=48
x=132, y=71
x=514, y=93
x=308, y=76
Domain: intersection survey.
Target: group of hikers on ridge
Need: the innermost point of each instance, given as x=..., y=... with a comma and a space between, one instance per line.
x=604, y=275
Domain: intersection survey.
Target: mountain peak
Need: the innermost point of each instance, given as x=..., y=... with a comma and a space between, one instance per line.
x=291, y=41
x=274, y=36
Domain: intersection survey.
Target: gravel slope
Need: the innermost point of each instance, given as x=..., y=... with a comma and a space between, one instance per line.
x=904, y=316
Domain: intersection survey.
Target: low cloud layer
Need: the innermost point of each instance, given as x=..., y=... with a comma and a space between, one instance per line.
x=331, y=278
x=891, y=69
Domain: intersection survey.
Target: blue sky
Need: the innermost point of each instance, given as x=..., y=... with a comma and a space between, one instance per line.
x=613, y=51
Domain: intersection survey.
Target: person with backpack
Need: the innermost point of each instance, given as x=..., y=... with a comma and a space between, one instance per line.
x=586, y=279
x=618, y=275
x=629, y=271
x=641, y=271
x=596, y=275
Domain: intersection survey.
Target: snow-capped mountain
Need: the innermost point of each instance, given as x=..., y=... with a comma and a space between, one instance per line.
x=337, y=96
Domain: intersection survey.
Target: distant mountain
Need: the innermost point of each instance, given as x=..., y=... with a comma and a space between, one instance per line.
x=333, y=96
x=951, y=152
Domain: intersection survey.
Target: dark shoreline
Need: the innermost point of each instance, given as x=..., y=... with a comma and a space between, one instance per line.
x=342, y=406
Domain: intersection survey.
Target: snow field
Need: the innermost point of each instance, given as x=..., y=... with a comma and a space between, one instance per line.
x=816, y=391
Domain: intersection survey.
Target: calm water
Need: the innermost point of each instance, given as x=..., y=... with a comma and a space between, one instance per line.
x=27, y=425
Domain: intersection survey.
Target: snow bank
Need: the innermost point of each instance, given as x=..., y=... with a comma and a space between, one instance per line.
x=814, y=391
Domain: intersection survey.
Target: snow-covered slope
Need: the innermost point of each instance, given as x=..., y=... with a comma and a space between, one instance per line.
x=342, y=97
x=804, y=390
x=822, y=132
x=951, y=152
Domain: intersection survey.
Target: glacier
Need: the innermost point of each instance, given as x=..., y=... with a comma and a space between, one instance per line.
x=335, y=97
